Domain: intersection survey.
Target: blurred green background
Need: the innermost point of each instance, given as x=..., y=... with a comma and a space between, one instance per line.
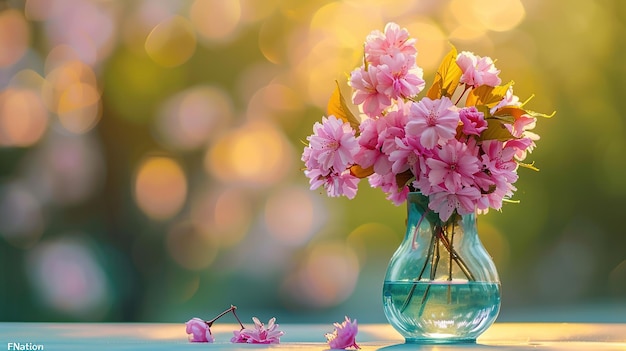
x=150, y=158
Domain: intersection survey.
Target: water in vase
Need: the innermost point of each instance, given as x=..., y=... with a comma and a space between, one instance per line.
x=431, y=311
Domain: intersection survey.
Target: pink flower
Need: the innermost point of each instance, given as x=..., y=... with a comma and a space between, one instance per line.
x=260, y=334
x=522, y=146
x=499, y=173
x=336, y=184
x=331, y=147
x=238, y=337
x=521, y=129
x=508, y=100
x=498, y=160
x=344, y=335
x=393, y=41
x=473, y=121
x=408, y=155
x=370, y=153
x=199, y=331
x=453, y=166
x=433, y=121
x=365, y=83
x=387, y=183
x=462, y=200
x=477, y=70
x=399, y=77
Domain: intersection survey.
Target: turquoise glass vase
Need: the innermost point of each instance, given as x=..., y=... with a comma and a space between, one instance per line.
x=441, y=284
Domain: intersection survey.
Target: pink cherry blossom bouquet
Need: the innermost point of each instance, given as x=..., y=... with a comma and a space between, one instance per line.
x=460, y=144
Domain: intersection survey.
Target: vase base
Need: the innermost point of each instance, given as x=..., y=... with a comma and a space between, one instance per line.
x=436, y=340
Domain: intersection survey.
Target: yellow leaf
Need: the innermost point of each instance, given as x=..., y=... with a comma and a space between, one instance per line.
x=528, y=165
x=517, y=112
x=338, y=107
x=486, y=95
x=514, y=111
x=496, y=131
x=361, y=172
x=447, y=77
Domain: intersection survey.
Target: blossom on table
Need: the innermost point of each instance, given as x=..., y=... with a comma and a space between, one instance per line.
x=199, y=331
x=261, y=334
x=344, y=335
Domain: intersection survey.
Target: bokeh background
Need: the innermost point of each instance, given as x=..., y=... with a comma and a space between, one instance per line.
x=150, y=158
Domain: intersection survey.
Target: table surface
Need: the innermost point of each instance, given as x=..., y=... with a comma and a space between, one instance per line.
x=160, y=336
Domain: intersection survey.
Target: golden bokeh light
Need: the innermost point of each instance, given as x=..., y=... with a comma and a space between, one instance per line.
x=290, y=215
x=79, y=107
x=499, y=15
x=160, y=187
x=255, y=10
x=190, y=118
x=216, y=20
x=14, y=37
x=474, y=19
x=172, y=42
x=431, y=44
x=23, y=117
x=277, y=102
x=256, y=154
x=223, y=214
x=327, y=276
x=71, y=91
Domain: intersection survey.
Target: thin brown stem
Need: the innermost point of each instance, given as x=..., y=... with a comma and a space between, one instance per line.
x=455, y=256
x=231, y=309
x=416, y=230
x=463, y=93
x=433, y=270
x=237, y=318
x=409, y=297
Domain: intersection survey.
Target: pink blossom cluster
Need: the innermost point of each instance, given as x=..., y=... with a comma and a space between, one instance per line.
x=389, y=70
x=261, y=334
x=442, y=148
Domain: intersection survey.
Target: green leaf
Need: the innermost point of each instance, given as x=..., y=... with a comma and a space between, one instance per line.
x=496, y=131
x=447, y=77
x=338, y=107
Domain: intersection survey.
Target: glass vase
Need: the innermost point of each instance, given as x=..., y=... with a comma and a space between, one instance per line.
x=441, y=284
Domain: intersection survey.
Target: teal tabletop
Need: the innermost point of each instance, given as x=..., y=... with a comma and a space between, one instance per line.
x=145, y=336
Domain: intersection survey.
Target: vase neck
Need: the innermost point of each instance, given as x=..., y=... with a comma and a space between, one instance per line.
x=418, y=214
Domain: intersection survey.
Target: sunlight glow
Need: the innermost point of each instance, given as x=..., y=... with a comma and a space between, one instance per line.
x=172, y=42
x=215, y=20
x=160, y=187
